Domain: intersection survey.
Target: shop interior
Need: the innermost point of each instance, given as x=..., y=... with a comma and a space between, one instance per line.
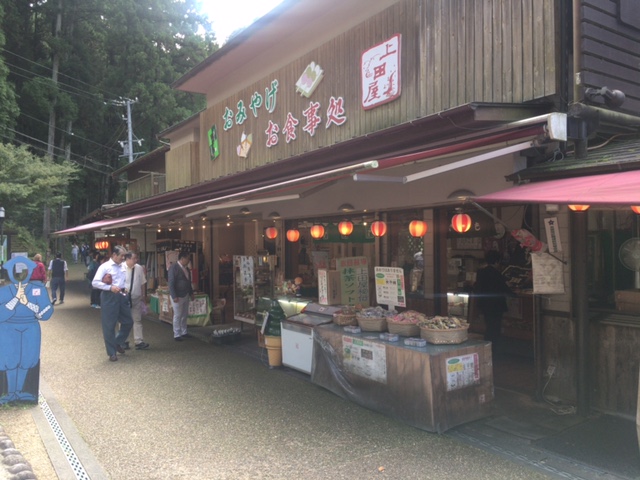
x=296, y=272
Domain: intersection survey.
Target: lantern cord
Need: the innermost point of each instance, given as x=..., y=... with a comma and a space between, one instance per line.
x=498, y=220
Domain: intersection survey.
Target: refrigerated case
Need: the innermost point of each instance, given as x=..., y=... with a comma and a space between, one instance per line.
x=297, y=334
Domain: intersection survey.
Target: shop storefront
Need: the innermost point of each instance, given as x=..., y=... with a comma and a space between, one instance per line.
x=317, y=159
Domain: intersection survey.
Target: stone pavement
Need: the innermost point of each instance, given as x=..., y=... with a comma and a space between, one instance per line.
x=194, y=410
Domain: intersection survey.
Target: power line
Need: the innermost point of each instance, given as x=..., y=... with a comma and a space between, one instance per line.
x=85, y=159
x=72, y=134
x=60, y=85
x=60, y=73
x=40, y=149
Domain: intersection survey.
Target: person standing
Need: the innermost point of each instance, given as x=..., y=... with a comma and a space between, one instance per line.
x=74, y=252
x=111, y=278
x=491, y=292
x=180, y=291
x=96, y=261
x=137, y=288
x=58, y=274
x=40, y=272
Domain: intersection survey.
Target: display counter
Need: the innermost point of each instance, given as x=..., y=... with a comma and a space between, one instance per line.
x=291, y=304
x=199, y=309
x=433, y=388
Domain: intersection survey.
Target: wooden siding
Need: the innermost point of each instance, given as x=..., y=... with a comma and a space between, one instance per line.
x=610, y=52
x=182, y=165
x=453, y=52
x=146, y=186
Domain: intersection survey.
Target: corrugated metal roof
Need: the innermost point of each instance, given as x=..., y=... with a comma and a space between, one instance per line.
x=619, y=154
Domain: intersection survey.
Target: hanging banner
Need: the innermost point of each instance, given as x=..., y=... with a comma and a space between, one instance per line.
x=553, y=235
x=548, y=275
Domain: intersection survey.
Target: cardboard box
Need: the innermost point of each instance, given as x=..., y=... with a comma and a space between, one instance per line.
x=329, y=288
x=628, y=301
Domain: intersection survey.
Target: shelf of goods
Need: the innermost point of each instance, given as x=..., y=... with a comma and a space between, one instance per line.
x=199, y=309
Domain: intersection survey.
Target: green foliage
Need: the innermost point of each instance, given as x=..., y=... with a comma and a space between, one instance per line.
x=106, y=52
x=29, y=183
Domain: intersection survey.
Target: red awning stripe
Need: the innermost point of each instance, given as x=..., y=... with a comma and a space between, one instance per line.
x=621, y=188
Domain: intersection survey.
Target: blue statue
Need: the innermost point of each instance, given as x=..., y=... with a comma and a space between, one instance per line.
x=22, y=305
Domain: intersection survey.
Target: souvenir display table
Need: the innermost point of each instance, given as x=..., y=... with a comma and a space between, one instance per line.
x=434, y=387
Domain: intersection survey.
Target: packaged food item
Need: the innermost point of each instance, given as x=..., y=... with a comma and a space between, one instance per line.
x=352, y=329
x=389, y=337
x=415, y=342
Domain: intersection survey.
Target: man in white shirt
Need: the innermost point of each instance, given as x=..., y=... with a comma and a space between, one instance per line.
x=137, y=288
x=111, y=278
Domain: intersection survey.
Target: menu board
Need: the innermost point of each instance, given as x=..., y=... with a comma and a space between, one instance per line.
x=390, y=286
x=354, y=280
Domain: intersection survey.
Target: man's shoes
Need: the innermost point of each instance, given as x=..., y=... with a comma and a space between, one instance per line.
x=126, y=346
x=61, y=302
x=53, y=302
x=186, y=335
x=142, y=346
x=98, y=306
x=113, y=358
x=119, y=349
x=177, y=339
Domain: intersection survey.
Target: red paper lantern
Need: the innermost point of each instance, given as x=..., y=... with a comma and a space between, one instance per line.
x=461, y=223
x=293, y=235
x=317, y=231
x=579, y=208
x=271, y=233
x=101, y=245
x=636, y=209
x=417, y=228
x=378, y=228
x=345, y=228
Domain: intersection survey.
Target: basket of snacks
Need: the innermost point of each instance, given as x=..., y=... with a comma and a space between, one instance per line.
x=444, y=330
x=373, y=319
x=405, y=324
x=346, y=317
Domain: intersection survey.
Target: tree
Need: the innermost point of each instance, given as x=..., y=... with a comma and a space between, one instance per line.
x=29, y=182
x=107, y=51
x=8, y=104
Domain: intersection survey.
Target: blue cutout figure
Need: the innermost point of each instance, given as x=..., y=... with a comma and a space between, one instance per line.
x=22, y=305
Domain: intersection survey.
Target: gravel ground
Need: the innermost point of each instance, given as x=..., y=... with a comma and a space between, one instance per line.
x=185, y=410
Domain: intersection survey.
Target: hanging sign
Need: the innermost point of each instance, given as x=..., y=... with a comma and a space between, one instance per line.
x=380, y=73
x=553, y=234
x=548, y=275
x=390, y=286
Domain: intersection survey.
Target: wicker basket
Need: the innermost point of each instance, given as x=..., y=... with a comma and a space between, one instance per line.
x=448, y=336
x=372, y=324
x=345, y=319
x=403, y=329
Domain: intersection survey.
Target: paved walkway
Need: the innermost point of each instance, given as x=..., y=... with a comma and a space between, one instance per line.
x=184, y=410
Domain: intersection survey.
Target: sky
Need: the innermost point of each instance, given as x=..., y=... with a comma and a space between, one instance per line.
x=229, y=15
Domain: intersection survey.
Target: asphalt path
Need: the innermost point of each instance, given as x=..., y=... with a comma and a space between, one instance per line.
x=186, y=410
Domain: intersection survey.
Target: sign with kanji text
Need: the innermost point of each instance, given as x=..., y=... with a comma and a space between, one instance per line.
x=380, y=73
x=390, y=286
x=354, y=280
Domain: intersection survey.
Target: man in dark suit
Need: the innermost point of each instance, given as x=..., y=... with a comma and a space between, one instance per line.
x=491, y=291
x=180, y=291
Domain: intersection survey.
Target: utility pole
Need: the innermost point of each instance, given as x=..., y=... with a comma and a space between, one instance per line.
x=127, y=147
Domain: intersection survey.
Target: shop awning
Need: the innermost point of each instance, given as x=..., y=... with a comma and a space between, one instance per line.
x=622, y=188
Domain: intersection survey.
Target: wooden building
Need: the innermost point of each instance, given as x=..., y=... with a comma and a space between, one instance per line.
x=407, y=109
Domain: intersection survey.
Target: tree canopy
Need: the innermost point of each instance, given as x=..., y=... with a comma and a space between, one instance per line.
x=72, y=63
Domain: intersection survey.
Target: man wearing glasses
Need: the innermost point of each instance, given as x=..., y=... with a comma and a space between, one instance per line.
x=111, y=279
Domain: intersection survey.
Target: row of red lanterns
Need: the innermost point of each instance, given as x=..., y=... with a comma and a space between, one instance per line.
x=417, y=228
x=461, y=223
x=584, y=208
